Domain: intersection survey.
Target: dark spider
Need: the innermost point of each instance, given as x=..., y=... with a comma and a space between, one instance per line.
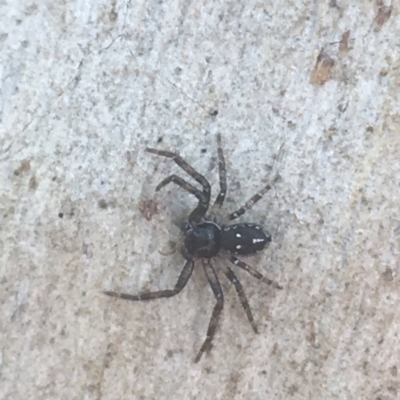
x=205, y=238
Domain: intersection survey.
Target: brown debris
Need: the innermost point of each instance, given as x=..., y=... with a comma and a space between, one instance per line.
x=344, y=43
x=384, y=13
x=322, y=69
x=25, y=166
x=148, y=208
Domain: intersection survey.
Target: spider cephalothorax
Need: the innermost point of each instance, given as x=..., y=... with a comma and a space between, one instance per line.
x=205, y=239
x=202, y=240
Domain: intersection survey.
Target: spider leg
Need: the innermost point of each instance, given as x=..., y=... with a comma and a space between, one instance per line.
x=252, y=271
x=180, y=284
x=201, y=208
x=253, y=200
x=213, y=324
x=187, y=168
x=245, y=304
x=222, y=174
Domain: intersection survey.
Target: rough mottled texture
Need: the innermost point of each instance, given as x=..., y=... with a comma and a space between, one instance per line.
x=86, y=86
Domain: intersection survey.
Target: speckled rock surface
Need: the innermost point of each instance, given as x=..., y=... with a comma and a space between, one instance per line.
x=309, y=90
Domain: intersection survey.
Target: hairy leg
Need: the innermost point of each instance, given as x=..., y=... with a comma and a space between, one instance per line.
x=252, y=271
x=202, y=206
x=245, y=304
x=222, y=174
x=180, y=284
x=187, y=168
x=253, y=200
x=213, y=324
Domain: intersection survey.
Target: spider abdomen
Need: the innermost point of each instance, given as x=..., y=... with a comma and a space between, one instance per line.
x=244, y=239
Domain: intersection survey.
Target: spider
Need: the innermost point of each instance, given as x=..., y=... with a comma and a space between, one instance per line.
x=205, y=238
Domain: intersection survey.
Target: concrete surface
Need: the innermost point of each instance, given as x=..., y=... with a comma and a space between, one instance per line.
x=306, y=89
